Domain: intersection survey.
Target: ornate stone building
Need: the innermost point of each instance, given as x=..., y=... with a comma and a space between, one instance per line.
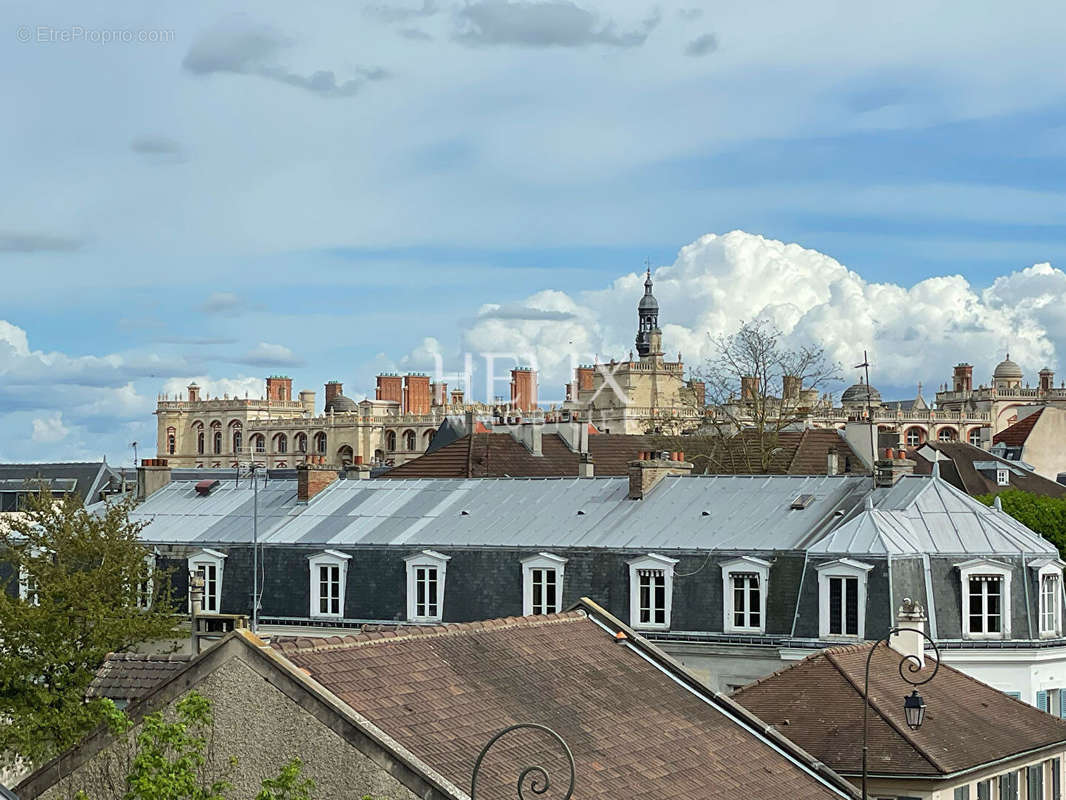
x=276, y=431
x=642, y=394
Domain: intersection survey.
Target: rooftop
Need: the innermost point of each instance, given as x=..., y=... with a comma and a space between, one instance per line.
x=818, y=702
x=131, y=676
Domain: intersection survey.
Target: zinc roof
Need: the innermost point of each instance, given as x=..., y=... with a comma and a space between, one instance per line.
x=680, y=513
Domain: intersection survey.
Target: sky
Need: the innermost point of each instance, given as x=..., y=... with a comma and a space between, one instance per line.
x=223, y=192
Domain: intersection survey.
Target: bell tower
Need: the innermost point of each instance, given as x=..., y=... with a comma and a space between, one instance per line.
x=649, y=337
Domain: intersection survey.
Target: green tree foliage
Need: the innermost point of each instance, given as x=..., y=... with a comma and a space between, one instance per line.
x=1045, y=515
x=74, y=587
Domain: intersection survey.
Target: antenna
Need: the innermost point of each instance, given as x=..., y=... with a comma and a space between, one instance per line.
x=870, y=418
x=134, y=446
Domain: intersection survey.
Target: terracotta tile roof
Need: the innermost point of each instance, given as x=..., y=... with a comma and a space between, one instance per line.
x=818, y=704
x=1016, y=434
x=444, y=691
x=131, y=676
x=496, y=455
x=960, y=472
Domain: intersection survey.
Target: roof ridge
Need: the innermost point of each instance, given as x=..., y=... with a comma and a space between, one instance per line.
x=775, y=673
x=309, y=645
x=905, y=734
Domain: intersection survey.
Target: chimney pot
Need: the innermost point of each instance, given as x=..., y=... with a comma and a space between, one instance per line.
x=910, y=641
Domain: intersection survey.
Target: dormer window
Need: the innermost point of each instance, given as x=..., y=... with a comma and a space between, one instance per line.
x=329, y=575
x=651, y=589
x=1002, y=477
x=542, y=584
x=425, y=585
x=842, y=599
x=1048, y=574
x=744, y=585
x=985, y=592
x=208, y=565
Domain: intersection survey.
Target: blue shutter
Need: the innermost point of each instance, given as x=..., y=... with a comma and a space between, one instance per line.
x=1041, y=701
x=1062, y=703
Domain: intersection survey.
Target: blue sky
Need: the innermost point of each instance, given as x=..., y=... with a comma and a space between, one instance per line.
x=270, y=190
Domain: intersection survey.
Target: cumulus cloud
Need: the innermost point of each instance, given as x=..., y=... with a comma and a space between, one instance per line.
x=554, y=23
x=265, y=354
x=913, y=333
x=240, y=47
x=523, y=312
x=15, y=242
x=216, y=387
x=50, y=429
x=702, y=45
x=395, y=12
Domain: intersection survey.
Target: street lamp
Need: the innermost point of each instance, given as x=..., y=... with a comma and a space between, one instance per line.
x=534, y=778
x=913, y=704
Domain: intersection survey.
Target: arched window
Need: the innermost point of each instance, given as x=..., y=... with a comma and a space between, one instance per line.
x=172, y=441
x=320, y=443
x=409, y=440
x=947, y=435
x=218, y=442
x=301, y=443
x=281, y=443
x=259, y=443
x=914, y=437
x=200, y=442
x=346, y=455
x=975, y=437
x=427, y=437
x=390, y=441
x=237, y=442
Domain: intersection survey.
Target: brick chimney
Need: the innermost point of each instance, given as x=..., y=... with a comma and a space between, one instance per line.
x=910, y=642
x=646, y=472
x=333, y=389
x=389, y=387
x=194, y=392
x=1047, y=380
x=523, y=389
x=416, y=393
x=891, y=468
x=152, y=475
x=457, y=397
x=749, y=387
x=962, y=378
x=312, y=479
x=279, y=389
x=791, y=387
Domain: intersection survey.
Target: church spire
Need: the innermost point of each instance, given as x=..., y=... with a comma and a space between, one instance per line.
x=647, y=317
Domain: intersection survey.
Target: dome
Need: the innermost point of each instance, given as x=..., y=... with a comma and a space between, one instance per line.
x=1007, y=370
x=857, y=394
x=648, y=301
x=341, y=404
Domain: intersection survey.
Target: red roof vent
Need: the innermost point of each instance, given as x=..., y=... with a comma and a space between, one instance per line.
x=203, y=488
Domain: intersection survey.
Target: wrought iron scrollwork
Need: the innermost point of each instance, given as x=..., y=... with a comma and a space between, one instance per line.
x=534, y=777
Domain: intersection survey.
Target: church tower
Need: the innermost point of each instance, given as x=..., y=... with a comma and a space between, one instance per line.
x=649, y=337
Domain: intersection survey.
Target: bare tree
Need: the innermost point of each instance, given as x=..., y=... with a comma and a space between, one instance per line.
x=758, y=385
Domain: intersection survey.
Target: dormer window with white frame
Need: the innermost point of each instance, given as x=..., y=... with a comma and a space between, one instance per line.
x=842, y=599
x=208, y=564
x=1048, y=573
x=425, y=585
x=985, y=591
x=744, y=584
x=328, y=572
x=1002, y=476
x=542, y=584
x=651, y=591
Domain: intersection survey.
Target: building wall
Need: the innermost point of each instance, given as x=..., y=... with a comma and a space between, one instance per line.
x=243, y=702
x=1045, y=448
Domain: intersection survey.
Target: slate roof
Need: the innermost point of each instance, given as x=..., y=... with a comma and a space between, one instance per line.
x=928, y=515
x=741, y=512
x=499, y=455
x=131, y=676
x=1017, y=434
x=637, y=724
x=91, y=477
x=961, y=470
x=818, y=704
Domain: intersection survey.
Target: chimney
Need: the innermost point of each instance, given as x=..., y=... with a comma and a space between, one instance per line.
x=533, y=437
x=357, y=471
x=312, y=479
x=457, y=397
x=194, y=392
x=333, y=388
x=831, y=461
x=196, y=601
x=586, y=467
x=749, y=387
x=792, y=386
x=152, y=475
x=910, y=641
x=307, y=400
x=962, y=378
x=859, y=438
x=279, y=389
x=523, y=389
x=650, y=468
x=891, y=468
x=1047, y=380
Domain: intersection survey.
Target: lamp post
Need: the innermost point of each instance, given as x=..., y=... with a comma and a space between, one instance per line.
x=913, y=704
x=537, y=775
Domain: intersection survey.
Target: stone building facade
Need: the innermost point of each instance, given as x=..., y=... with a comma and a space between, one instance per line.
x=277, y=431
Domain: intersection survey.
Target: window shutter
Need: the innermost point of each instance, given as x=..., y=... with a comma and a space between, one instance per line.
x=1042, y=701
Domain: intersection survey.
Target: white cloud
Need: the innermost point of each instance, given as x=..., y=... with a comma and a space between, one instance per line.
x=216, y=387
x=912, y=333
x=50, y=429
x=265, y=354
